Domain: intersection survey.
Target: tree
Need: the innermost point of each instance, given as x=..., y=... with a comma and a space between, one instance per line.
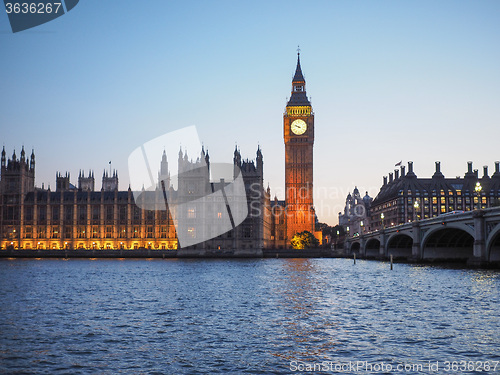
x=304, y=240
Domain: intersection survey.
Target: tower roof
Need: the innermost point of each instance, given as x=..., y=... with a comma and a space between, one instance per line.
x=298, y=77
x=299, y=97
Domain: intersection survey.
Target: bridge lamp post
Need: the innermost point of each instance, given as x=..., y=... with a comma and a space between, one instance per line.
x=415, y=208
x=478, y=189
x=382, y=218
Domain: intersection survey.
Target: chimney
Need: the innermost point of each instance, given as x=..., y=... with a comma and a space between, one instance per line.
x=390, y=177
x=410, y=167
x=385, y=180
x=437, y=173
x=396, y=174
x=402, y=171
x=469, y=167
x=497, y=168
x=485, y=171
x=476, y=173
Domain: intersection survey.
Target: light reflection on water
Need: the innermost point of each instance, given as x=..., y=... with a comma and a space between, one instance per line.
x=239, y=316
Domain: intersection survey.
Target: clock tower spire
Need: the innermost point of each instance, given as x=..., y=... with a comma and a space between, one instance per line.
x=298, y=134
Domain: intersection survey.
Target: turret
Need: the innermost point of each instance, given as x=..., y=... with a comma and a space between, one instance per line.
x=164, y=174
x=237, y=157
x=21, y=178
x=260, y=163
x=207, y=160
x=110, y=183
x=86, y=183
x=32, y=160
x=4, y=160
x=62, y=182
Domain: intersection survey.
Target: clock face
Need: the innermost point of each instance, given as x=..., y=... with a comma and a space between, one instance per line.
x=298, y=127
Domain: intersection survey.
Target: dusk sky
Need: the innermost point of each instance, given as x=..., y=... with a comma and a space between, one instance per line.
x=389, y=80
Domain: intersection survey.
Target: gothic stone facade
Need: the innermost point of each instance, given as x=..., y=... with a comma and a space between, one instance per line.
x=80, y=217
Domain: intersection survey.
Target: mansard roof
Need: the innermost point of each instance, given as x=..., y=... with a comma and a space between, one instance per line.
x=433, y=186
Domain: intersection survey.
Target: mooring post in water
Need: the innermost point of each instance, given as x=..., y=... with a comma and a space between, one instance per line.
x=391, y=261
x=354, y=258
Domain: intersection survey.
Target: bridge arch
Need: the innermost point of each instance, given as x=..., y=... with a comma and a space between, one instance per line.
x=493, y=245
x=400, y=245
x=372, y=247
x=449, y=242
x=355, y=247
x=437, y=228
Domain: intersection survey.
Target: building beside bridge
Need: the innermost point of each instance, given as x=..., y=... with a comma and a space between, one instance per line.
x=356, y=217
x=433, y=219
x=404, y=197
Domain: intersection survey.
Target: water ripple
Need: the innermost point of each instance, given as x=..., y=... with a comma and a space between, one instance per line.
x=231, y=316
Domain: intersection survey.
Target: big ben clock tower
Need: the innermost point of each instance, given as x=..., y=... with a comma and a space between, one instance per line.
x=298, y=133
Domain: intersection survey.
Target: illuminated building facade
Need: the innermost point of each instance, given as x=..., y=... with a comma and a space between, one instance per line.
x=82, y=218
x=404, y=197
x=356, y=217
x=298, y=133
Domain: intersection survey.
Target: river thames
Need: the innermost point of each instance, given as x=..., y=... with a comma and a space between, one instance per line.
x=255, y=316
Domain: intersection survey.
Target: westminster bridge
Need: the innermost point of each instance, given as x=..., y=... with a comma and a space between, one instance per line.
x=472, y=236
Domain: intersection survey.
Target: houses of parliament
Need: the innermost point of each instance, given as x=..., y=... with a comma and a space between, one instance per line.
x=81, y=217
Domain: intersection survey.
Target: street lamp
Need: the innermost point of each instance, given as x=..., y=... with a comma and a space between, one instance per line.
x=415, y=206
x=478, y=189
x=382, y=218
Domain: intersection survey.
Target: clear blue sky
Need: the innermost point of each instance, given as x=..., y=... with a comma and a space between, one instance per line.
x=389, y=81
